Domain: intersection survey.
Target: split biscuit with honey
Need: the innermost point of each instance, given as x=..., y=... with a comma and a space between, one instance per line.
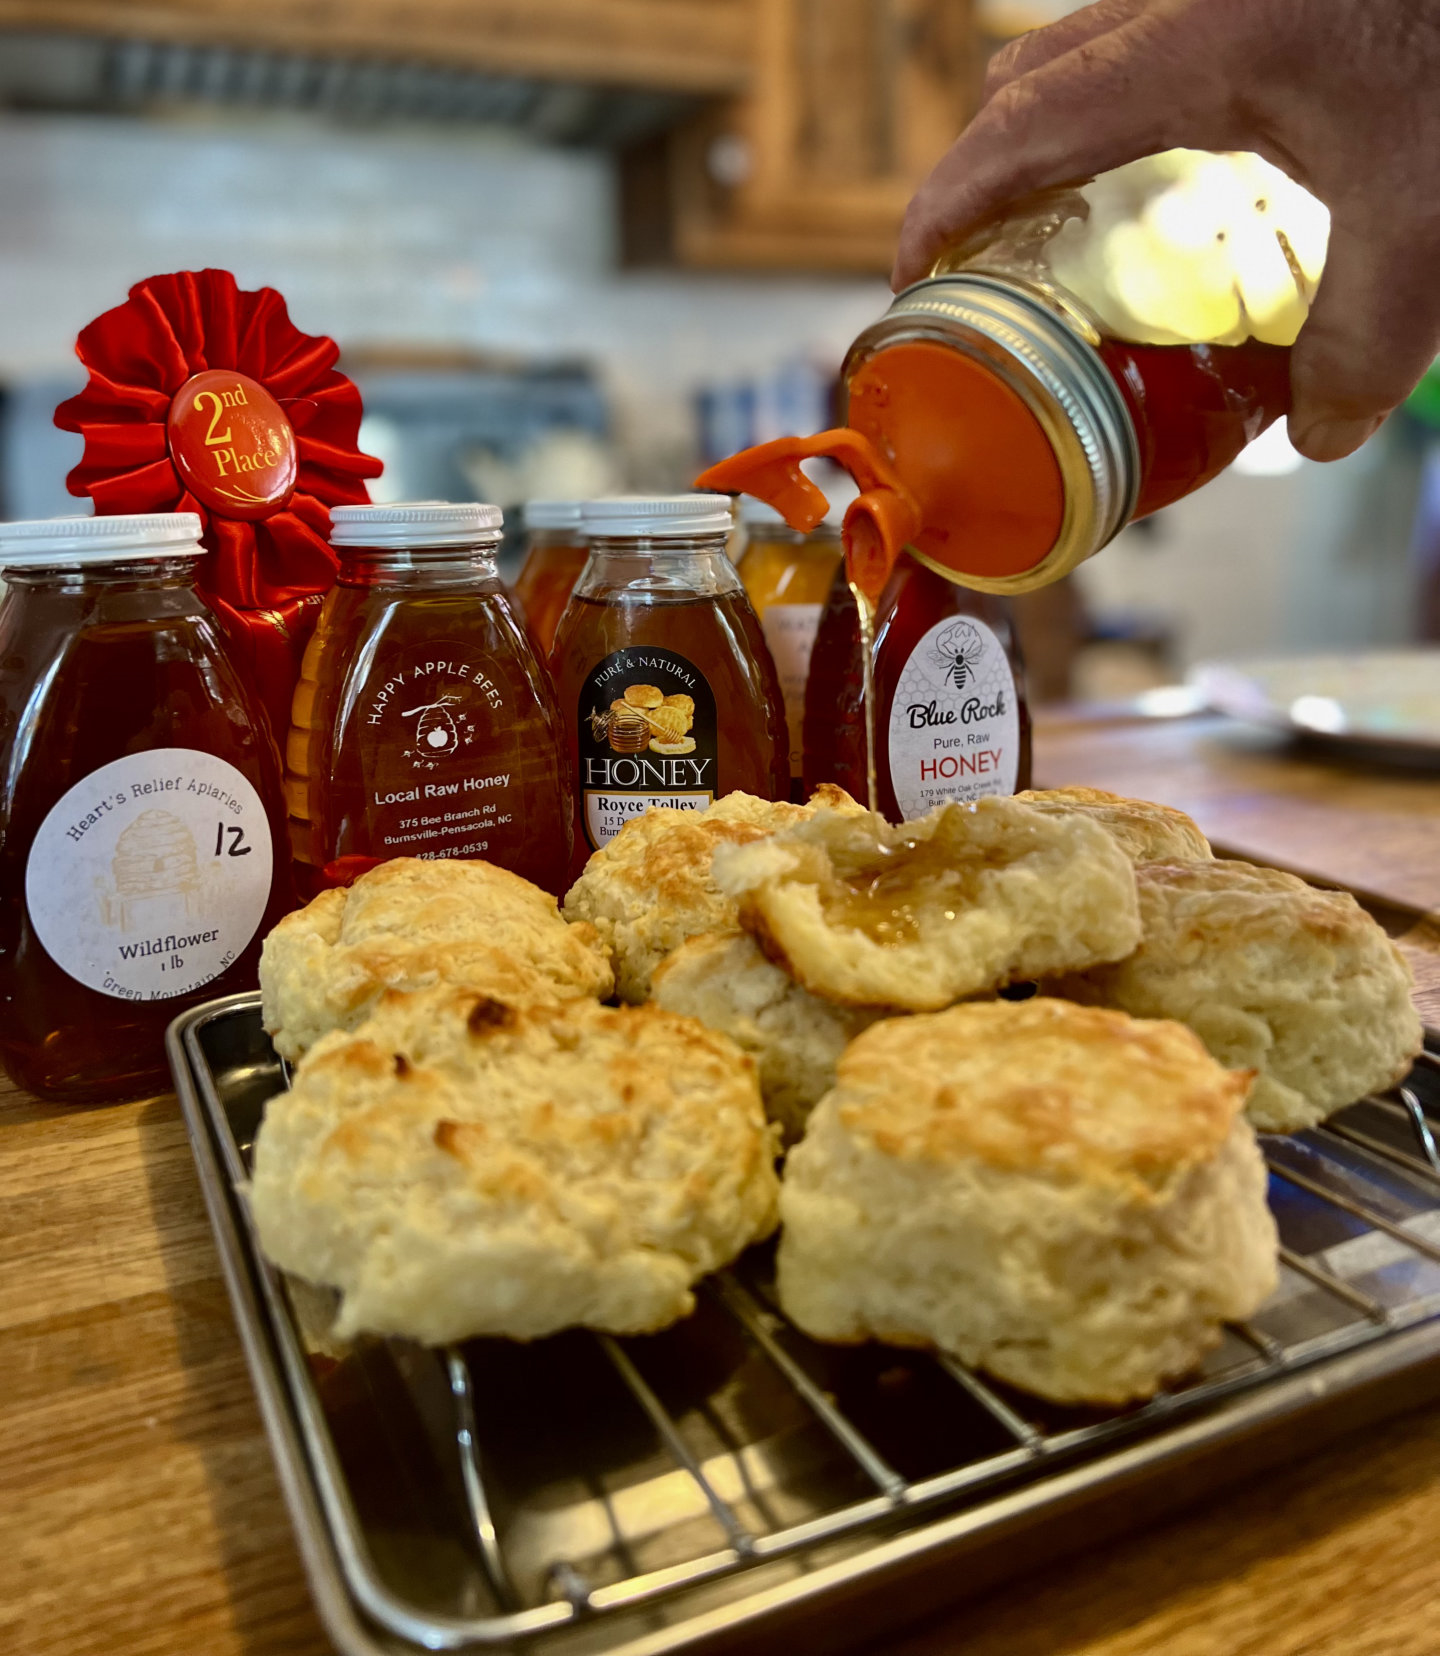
x=1274, y=975
x=651, y=888
x=795, y=1038
x=964, y=900
x=412, y=924
x=459, y=1166
x=1065, y=1197
x=1145, y=831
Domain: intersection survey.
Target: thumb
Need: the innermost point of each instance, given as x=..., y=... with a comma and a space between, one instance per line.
x=1373, y=330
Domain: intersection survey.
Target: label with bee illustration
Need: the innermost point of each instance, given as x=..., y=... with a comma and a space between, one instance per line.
x=438, y=749
x=647, y=738
x=954, y=728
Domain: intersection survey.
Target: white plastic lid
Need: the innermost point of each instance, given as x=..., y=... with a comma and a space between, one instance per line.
x=552, y=514
x=658, y=515
x=77, y=541
x=416, y=523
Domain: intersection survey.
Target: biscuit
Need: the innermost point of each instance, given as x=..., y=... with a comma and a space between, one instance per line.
x=650, y=888
x=966, y=899
x=795, y=1038
x=1065, y=1197
x=1274, y=975
x=458, y=1166
x=1146, y=832
x=644, y=695
x=413, y=923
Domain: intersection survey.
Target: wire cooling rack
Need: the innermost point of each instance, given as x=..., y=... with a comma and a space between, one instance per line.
x=593, y=1493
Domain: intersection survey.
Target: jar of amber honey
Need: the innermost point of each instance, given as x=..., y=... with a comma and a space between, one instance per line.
x=1089, y=356
x=555, y=553
x=788, y=575
x=950, y=721
x=142, y=820
x=665, y=681
x=423, y=724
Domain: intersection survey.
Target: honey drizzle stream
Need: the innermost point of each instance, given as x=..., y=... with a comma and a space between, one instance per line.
x=866, y=607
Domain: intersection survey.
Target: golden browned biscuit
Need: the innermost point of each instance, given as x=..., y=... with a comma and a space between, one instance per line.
x=413, y=923
x=1146, y=832
x=686, y=705
x=794, y=1037
x=668, y=723
x=1274, y=975
x=1068, y=1198
x=650, y=888
x=966, y=899
x=459, y=1166
x=644, y=695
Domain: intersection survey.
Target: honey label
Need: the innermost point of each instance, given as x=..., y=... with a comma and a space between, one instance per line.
x=232, y=444
x=954, y=726
x=790, y=632
x=431, y=722
x=648, y=738
x=149, y=877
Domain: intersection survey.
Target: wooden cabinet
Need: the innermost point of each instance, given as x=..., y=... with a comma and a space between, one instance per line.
x=809, y=121
x=851, y=102
x=700, y=46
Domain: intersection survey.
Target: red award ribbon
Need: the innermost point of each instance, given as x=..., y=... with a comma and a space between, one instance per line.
x=205, y=399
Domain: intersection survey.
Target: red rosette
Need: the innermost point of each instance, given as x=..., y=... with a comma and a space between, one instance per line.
x=203, y=398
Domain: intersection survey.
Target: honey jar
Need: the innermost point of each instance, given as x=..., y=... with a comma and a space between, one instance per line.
x=1079, y=361
x=142, y=819
x=424, y=725
x=666, y=685
x=951, y=721
x=555, y=553
x=788, y=574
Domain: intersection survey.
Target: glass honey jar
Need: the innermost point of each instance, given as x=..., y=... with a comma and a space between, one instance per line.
x=142, y=819
x=555, y=553
x=666, y=685
x=951, y=722
x=424, y=725
x=788, y=574
x=1081, y=360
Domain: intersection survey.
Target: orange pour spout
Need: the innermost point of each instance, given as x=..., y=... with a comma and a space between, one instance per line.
x=879, y=523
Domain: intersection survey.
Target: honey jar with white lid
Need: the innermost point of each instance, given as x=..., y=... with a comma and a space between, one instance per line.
x=424, y=724
x=666, y=685
x=143, y=851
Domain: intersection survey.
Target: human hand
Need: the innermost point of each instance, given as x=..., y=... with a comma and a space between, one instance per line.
x=1343, y=95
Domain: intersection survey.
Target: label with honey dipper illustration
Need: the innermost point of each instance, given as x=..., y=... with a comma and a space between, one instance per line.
x=149, y=877
x=441, y=752
x=954, y=727
x=647, y=738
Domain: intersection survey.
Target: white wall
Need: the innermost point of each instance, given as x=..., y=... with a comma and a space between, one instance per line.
x=420, y=237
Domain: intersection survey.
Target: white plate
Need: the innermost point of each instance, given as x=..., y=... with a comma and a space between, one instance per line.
x=1390, y=697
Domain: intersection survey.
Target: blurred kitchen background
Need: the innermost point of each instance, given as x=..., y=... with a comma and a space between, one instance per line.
x=570, y=246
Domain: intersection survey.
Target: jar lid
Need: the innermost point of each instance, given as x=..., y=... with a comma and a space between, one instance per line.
x=552, y=514
x=78, y=541
x=415, y=523
x=1005, y=424
x=658, y=515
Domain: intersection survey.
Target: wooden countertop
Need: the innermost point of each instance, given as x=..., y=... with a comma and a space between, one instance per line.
x=141, y=1514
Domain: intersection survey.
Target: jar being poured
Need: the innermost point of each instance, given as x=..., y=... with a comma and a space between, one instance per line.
x=1089, y=356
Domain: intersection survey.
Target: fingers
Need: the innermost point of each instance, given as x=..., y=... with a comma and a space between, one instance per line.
x=1129, y=92
x=1027, y=52
x=1373, y=330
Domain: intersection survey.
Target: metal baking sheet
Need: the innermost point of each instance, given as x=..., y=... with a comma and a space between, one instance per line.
x=728, y=1483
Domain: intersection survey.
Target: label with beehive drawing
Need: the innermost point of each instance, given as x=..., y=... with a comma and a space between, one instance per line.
x=954, y=727
x=151, y=876
x=441, y=750
x=648, y=738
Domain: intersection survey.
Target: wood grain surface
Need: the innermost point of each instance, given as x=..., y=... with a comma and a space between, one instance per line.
x=140, y=1513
